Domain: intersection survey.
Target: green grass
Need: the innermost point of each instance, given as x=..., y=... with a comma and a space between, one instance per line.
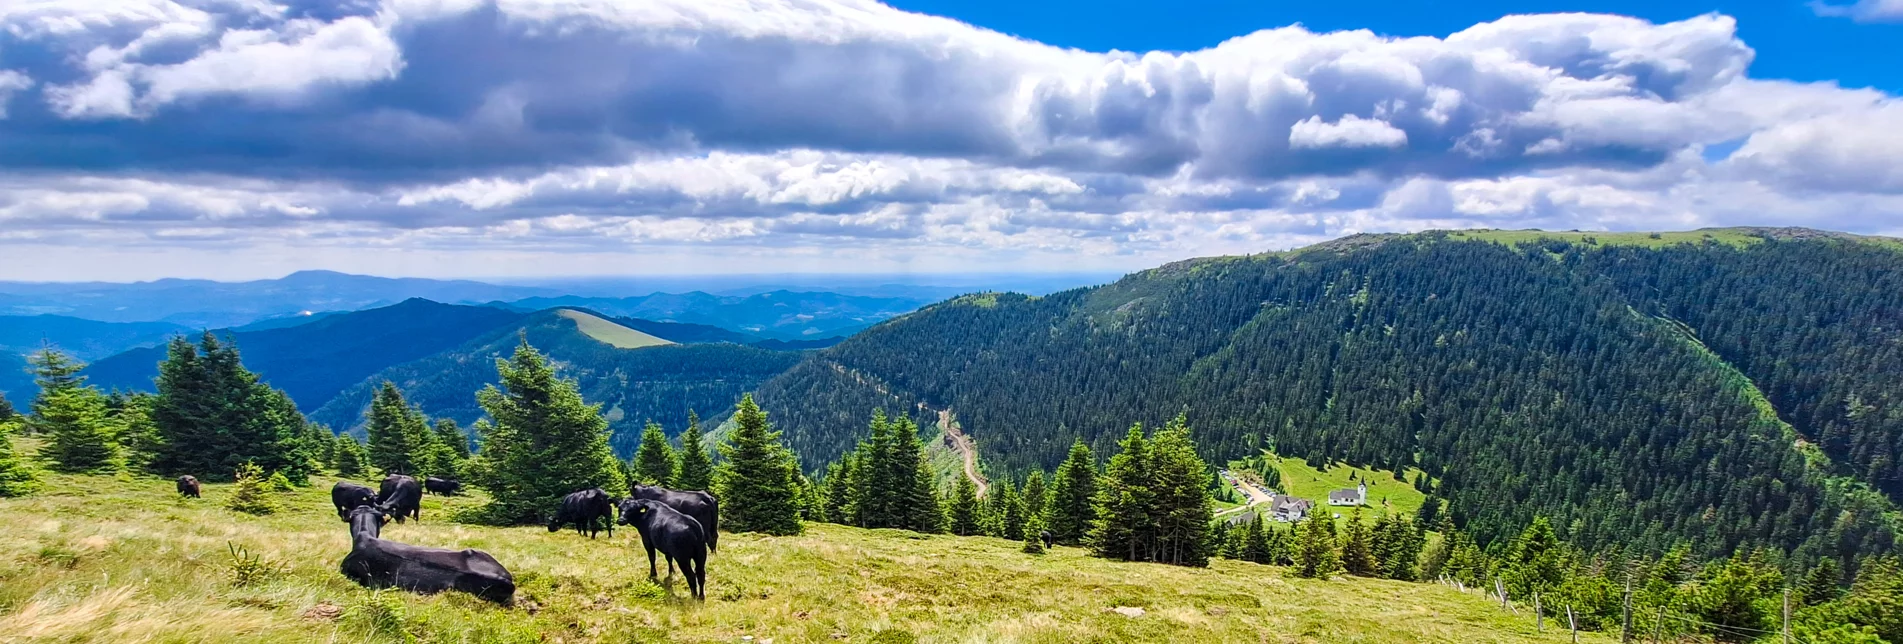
x=103, y=558
x=609, y=333
x=1385, y=494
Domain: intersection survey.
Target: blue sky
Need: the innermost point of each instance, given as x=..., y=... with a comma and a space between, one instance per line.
x=238, y=139
x=1791, y=40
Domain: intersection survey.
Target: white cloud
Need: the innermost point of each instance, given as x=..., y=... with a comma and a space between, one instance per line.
x=1350, y=132
x=1862, y=10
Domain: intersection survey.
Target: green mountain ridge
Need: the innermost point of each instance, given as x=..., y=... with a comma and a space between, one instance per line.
x=1509, y=364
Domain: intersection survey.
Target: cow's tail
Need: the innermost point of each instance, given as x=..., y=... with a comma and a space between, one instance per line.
x=713, y=530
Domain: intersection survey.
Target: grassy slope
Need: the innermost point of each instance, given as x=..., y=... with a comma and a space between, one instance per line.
x=120, y=559
x=609, y=333
x=1304, y=481
x=1730, y=236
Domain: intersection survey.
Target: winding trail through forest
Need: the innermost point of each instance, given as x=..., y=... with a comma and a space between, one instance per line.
x=955, y=436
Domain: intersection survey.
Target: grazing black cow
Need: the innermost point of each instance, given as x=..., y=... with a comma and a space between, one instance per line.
x=587, y=509
x=188, y=486
x=401, y=496
x=445, y=487
x=678, y=536
x=347, y=496
x=1046, y=537
x=379, y=563
x=700, y=505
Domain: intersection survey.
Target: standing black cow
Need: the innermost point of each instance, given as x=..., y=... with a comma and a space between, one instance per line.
x=678, y=536
x=379, y=563
x=347, y=496
x=188, y=486
x=587, y=509
x=445, y=487
x=1047, y=538
x=401, y=497
x=700, y=505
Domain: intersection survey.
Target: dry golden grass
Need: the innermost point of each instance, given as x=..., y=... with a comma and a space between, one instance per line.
x=120, y=559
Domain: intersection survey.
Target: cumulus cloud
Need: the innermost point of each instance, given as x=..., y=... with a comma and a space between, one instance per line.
x=822, y=128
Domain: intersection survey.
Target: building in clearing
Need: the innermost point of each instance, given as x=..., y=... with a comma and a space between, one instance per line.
x=1356, y=496
x=1283, y=507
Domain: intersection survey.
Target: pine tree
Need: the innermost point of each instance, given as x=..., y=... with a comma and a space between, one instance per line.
x=398, y=432
x=16, y=475
x=1180, y=480
x=250, y=493
x=351, y=457
x=1255, y=542
x=1398, y=547
x=961, y=518
x=453, y=437
x=837, y=490
x=1536, y=562
x=1035, y=495
x=1072, y=504
x=1357, y=549
x=756, y=481
x=914, y=501
x=654, y=460
x=1033, y=535
x=1429, y=514
x=697, y=470
x=213, y=416
x=545, y=442
x=1123, y=525
x=1010, y=512
x=1821, y=584
x=1316, y=557
x=73, y=416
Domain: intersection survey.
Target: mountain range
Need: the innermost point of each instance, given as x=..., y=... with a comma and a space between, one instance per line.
x=1727, y=389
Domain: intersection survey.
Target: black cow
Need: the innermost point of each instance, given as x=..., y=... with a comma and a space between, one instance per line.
x=678, y=536
x=347, y=496
x=188, y=486
x=1046, y=537
x=445, y=487
x=587, y=509
x=379, y=563
x=401, y=496
x=700, y=505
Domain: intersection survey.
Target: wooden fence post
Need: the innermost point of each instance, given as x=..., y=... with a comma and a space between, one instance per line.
x=1539, y=618
x=1572, y=624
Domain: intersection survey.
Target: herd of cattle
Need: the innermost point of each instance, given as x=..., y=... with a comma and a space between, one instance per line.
x=683, y=526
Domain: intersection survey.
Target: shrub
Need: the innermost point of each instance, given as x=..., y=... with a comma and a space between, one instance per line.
x=248, y=495
x=247, y=569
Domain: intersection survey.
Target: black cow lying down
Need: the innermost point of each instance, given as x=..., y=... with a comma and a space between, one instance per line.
x=445, y=487
x=700, y=505
x=188, y=486
x=379, y=563
x=401, y=497
x=676, y=535
x=588, y=510
x=346, y=495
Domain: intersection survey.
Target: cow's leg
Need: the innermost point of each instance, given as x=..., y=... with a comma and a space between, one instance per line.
x=651, y=572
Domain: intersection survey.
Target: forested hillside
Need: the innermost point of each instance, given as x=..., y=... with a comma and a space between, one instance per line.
x=780, y=314
x=659, y=383
x=313, y=362
x=1610, y=385
x=84, y=339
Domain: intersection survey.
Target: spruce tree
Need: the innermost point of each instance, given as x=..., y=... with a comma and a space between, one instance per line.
x=1072, y=504
x=250, y=492
x=452, y=436
x=1255, y=541
x=1122, y=529
x=1033, y=535
x=72, y=416
x=1402, y=549
x=1357, y=549
x=1316, y=556
x=1036, y=495
x=1821, y=583
x=213, y=416
x=16, y=475
x=961, y=518
x=914, y=503
x=398, y=432
x=1536, y=562
x=837, y=491
x=1180, y=480
x=351, y=457
x=697, y=470
x=654, y=461
x=1010, y=511
x=545, y=441
x=6, y=409
x=756, y=480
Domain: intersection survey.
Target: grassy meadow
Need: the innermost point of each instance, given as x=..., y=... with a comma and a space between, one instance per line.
x=122, y=559
x=609, y=333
